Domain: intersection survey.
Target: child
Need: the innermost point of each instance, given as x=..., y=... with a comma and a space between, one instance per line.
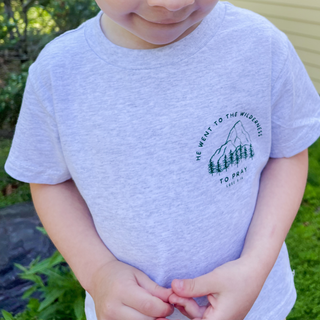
x=167, y=140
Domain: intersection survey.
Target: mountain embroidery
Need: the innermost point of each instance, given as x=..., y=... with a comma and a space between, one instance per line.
x=237, y=148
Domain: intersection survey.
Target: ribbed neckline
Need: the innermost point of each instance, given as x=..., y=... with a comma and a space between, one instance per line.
x=153, y=58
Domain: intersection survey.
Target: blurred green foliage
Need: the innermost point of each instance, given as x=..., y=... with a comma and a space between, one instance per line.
x=26, y=26
x=11, y=191
x=62, y=297
x=11, y=96
x=303, y=242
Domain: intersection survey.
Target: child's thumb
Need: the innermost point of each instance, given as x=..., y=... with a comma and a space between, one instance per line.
x=190, y=288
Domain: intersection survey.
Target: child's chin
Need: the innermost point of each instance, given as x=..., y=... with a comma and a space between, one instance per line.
x=161, y=40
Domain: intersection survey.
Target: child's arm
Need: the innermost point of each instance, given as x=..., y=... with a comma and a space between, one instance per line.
x=119, y=290
x=282, y=186
x=67, y=220
x=233, y=287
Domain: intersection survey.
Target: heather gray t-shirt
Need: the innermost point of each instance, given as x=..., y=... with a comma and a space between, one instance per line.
x=167, y=145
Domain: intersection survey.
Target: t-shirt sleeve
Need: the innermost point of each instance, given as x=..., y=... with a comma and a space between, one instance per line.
x=295, y=109
x=36, y=154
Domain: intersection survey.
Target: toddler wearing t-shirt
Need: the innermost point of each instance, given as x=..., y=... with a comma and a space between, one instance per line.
x=166, y=140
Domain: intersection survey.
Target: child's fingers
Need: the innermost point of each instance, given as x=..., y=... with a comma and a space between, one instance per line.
x=128, y=313
x=145, y=282
x=182, y=310
x=143, y=301
x=189, y=305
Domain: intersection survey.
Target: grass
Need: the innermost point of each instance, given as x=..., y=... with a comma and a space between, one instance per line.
x=303, y=240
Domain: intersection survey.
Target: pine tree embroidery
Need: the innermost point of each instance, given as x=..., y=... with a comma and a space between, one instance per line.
x=240, y=151
x=237, y=157
x=212, y=168
x=231, y=158
x=219, y=169
x=225, y=162
x=236, y=148
x=245, y=153
x=251, y=152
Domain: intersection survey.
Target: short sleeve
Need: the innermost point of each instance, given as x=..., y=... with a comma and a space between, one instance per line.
x=36, y=154
x=295, y=109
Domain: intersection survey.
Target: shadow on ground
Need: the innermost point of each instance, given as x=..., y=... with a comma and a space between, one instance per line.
x=20, y=242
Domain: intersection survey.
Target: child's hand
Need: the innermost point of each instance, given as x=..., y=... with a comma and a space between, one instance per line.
x=187, y=306
x=122, y=292
x=231, y=290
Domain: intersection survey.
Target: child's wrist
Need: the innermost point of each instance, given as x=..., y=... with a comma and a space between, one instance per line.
x=89, y=281
x=258, y=268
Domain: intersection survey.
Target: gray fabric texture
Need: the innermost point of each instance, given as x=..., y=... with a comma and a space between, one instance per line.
x=167, y=145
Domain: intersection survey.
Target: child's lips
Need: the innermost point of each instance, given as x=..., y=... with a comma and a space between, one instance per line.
x=165, y=21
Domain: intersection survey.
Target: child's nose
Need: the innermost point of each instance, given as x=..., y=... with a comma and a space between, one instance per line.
x=171, y=5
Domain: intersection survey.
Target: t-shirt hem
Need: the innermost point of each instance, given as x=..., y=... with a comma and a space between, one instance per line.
x=284, y=309
x=302, y=146
x=54, y=178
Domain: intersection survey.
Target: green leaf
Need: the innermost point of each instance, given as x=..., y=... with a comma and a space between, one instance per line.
x=44, y=265
x=42, y=230
x=58, y=279
x=50, y=298
x=78, y=307
x=48, y=313
x=22, y=268
x=56, y=258
x=33, y=304
x=29, y=292
x=39, y=267
x=34, y=262
x=7, y=315
x=34, y=278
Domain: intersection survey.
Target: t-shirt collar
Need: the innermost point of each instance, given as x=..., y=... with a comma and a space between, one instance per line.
x=153, y=58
